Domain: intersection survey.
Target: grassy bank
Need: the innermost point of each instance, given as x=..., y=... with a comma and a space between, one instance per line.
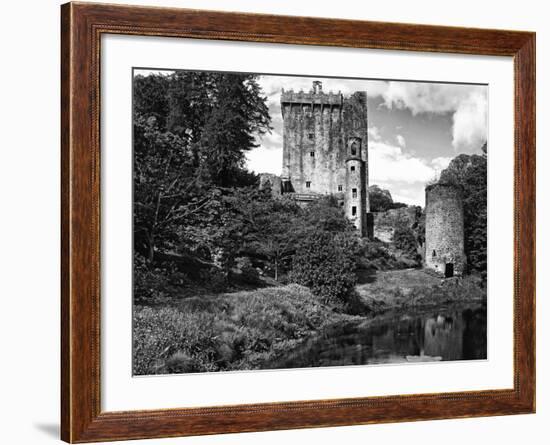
x=415, y=289
x=246, y=329
x=240, y=330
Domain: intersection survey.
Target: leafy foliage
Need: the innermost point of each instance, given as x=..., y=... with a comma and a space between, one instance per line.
x=191, y=131
x=404, y=239
x=151, y=98
x=326, y=263
x=381, y=200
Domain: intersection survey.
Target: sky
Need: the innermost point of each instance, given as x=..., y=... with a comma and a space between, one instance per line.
x=415, y=128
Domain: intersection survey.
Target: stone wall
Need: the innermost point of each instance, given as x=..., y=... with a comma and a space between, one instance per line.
x=272, y=181
x=325, y=148
x=444, y=229
x=386, y=222
x=313, y=152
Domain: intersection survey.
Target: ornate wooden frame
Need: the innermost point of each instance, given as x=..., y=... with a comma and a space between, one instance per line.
x=82, y=25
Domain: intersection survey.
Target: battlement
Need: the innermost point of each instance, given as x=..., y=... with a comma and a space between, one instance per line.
x=315, y=96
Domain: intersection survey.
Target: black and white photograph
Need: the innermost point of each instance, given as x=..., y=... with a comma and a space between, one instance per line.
x=298, y=222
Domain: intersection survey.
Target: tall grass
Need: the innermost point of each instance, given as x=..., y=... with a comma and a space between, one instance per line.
x=241, y=330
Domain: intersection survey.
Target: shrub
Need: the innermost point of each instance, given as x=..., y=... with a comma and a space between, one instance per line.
x=151, y=285
x=404, y=239
x=215, y=279
x=326, y=263
x=248, y=273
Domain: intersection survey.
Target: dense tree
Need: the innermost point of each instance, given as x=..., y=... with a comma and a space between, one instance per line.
x=238, y=116
x=165, y=189
x=381, y=200
x=325, y=215
x=272, y=230
x=191, y=132
x=191, y=97
x=404, y=239
x=151, y=98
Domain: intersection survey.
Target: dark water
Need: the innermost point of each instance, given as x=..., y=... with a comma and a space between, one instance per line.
x=443, y=334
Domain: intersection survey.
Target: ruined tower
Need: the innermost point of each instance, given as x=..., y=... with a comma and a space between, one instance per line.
x=325, y=149
x=445, y=230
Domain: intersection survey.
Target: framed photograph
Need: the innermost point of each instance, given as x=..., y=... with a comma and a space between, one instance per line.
x=275, y=222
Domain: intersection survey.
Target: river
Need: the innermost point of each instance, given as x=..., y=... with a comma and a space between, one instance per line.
x=450, y=333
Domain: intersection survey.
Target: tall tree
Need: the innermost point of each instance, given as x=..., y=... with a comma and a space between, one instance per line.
x=191, y=132
x=151, y=98
x=191, y=97
x=168, y=190
x=239, y=114
x=273, y=231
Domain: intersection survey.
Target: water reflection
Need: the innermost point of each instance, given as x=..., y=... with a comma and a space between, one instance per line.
x=448, y=334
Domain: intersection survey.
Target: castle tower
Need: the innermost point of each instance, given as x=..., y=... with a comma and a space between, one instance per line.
x=325, y=149
x=354, y=198
x=445, y=230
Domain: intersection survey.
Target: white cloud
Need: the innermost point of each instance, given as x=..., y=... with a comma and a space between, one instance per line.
x=271, y=141
x=415, y=195
x=467, y=103
x=404, y=175
x=401, y=140
x=265, y=160
x=388, y=163
x=440, y=164
x=374, y=133
x=423, y=97
x=470, y=122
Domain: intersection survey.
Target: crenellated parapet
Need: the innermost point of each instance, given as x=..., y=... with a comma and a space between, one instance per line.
x=312, y=97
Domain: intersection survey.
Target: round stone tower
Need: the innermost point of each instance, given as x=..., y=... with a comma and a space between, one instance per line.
x=445, y=230
x=355, y=204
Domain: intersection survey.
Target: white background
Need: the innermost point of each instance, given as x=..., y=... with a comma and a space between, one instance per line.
x=29, y=184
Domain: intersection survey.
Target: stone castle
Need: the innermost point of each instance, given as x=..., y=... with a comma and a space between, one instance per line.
x=325, y=152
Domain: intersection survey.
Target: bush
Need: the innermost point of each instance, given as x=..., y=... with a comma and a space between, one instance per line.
x=404, y=239
x=152, y=285
x=214, y=279
x=247, y=272
x=376, y=255
x=326, y=263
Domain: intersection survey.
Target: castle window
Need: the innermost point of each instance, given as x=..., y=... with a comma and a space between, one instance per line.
x=312, y=154
x=433, y=254
x=310, y=136
x=339, y=188
x=354, y=149
x=353, y=211
x=354, y=193
x=352, y=168
x=308, y=184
